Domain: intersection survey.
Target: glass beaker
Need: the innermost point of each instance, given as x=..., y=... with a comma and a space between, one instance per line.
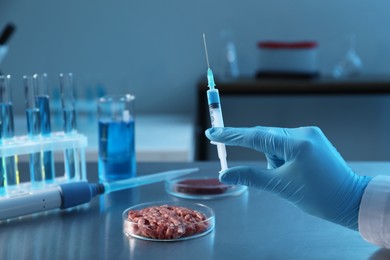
x=117, y=158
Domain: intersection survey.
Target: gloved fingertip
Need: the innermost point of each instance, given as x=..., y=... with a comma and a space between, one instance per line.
x=213, y=131
x=208, y=133
x=227, y=178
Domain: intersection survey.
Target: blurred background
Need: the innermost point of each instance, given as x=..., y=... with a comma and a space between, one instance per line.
x=154, y=50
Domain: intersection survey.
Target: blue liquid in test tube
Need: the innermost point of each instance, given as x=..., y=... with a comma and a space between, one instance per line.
x=9, y=174
x=33, y=130
x=42, y=100
x=69, y=116
x=48, y=160
x=8, y=163
x=69, y=125
x=116, y=152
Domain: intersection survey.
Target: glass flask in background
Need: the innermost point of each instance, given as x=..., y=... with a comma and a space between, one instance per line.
x=229, y=64
x=351, y=65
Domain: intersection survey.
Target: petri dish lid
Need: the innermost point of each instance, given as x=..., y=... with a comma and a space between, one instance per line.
x=201, y=187
x=168, y=221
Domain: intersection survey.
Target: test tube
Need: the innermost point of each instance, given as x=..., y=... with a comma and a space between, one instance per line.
x=69, y=123
x=42, y=101
x=9, y=174
x=33, y=129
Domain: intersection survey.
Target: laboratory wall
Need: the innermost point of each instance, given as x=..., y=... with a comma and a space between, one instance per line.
x=154, y=49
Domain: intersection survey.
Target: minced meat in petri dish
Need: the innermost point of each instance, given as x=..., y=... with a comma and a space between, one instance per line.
x=168, y=221
x=201, y=187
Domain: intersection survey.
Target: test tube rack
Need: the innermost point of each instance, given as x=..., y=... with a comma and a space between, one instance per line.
x=56, y=142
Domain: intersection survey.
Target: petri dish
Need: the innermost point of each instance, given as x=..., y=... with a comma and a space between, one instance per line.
x=201, y=187
x=168, y=221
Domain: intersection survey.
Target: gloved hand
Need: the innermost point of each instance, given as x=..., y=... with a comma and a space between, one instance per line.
x=303, y=168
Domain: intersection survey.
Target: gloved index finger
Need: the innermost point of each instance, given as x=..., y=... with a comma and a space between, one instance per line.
x=269, y=140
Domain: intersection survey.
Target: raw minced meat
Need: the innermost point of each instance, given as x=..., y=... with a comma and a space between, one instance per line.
x=166, y=222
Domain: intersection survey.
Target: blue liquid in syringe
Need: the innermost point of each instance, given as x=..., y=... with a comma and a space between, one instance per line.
x=69, y=127
x=8, y=174
x=33, y=130
x=42, y=103
x=116, y=150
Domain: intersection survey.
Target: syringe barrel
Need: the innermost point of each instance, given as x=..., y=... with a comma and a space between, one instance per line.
x=215, y=108
x=217, y=121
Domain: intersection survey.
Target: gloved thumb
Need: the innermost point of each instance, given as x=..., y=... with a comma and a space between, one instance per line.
x=250, y=176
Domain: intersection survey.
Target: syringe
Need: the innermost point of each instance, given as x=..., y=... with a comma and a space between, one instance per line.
x=71, y=194
x=215, y=108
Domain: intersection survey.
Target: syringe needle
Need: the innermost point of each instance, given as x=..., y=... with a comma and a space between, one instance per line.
x=205, y=48
x=210, y=76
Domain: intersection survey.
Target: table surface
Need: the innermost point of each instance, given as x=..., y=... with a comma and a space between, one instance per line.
x=254, y=225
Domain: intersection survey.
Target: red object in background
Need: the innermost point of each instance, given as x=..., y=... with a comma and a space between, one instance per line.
x=279, y=59
x=287, y=45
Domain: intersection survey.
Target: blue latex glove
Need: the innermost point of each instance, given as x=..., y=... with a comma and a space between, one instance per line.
x=303, y=168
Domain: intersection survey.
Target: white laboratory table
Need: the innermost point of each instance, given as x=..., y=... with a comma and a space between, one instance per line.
x=158, y=138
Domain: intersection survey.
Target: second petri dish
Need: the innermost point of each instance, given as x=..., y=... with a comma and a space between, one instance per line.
x=201, y=187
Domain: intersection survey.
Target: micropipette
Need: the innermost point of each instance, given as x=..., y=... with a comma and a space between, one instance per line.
x=215, y=108
x=71, y=194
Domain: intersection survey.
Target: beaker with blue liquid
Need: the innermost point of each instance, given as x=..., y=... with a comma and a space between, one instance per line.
x=117, y=158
